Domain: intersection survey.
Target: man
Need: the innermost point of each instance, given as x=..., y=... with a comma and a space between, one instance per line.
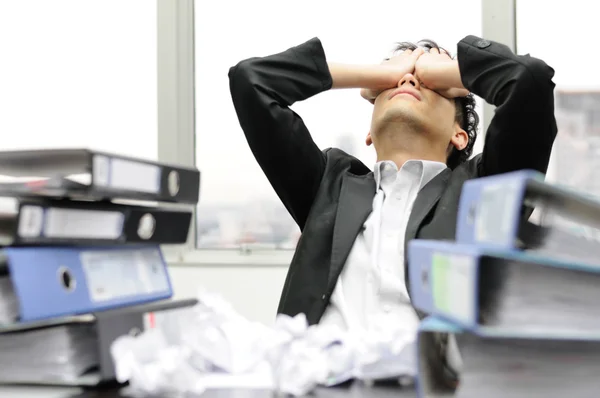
x=349, y=268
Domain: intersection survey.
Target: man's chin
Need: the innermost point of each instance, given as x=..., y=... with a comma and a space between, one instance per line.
x=400, y=116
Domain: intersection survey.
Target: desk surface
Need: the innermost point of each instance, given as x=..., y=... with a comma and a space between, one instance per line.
x=356, y=390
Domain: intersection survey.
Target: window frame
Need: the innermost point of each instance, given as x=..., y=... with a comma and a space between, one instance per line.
x=176, y=116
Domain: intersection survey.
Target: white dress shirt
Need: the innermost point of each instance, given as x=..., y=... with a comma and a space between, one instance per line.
x=371, y=286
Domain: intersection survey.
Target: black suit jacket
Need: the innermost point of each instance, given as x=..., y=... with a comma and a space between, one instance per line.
x=330, y=193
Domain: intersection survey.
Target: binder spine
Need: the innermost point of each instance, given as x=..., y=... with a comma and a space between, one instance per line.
x=489, y=210
x=57, y=281
x=443, y=280
x=86, y=223
x=147, y=180
x=38, y=223
x=434, y=377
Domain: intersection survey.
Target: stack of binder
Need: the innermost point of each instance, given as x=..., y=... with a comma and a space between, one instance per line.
x=517, y=291
x=80, y=242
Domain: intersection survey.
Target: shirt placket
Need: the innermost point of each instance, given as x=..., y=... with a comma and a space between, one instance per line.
x=391, y=251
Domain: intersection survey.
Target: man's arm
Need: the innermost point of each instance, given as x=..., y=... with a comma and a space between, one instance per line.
x=523, y=129
x=262, y=89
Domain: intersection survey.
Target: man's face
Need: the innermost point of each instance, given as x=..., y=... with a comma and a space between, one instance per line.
x=414, y=106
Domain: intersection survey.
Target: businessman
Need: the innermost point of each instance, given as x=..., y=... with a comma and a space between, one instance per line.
x=349, y=267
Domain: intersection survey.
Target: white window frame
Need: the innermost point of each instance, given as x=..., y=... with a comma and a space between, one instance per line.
x=176, y=114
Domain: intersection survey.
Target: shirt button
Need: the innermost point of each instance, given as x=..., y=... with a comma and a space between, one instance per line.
x=387, y=309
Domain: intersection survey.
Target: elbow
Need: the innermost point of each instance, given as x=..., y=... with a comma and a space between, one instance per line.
x=530, y=86
x=240, y=78
x=537, y=76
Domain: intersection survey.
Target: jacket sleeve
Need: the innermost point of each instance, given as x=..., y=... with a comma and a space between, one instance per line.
x=262, y=90
x=523, y=129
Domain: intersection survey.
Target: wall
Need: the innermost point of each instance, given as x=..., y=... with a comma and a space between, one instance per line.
x=253, y=290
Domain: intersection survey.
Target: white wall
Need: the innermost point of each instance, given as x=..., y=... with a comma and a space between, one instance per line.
x=253, y=290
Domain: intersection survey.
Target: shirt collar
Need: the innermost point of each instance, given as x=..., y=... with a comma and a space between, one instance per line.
x=423, y=170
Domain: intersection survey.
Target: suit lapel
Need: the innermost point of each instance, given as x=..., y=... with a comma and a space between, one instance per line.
x=426, y=199
x=355, y=205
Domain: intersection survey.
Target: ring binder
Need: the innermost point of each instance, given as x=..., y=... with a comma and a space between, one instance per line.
x=77, y=173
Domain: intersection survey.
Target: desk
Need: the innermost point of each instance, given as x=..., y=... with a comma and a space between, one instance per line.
x=356, y=390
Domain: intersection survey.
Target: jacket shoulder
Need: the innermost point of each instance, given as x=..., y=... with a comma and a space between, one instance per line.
x=338, y=160
x=471, y=168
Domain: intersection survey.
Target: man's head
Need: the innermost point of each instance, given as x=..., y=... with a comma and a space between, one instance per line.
x=418, y=120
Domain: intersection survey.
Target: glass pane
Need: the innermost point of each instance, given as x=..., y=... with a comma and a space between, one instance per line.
x=562, y=39
x=79, y=73
x=238, y=206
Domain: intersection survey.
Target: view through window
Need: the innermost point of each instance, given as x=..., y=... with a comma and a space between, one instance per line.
x=238, y=207
x=576, y=154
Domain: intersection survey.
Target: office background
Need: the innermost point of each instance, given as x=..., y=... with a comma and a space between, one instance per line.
x=148, y=78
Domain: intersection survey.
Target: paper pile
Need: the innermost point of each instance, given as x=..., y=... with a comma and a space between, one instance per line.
x=218, y=348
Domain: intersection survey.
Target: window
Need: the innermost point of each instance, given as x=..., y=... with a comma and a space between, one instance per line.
x=238, y=207
x=79, y=73
x=568, y=28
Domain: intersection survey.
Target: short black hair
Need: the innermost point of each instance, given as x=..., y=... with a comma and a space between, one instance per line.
x=465, y=115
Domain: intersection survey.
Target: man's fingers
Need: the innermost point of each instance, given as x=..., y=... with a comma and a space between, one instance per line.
x=369, y=95
x=418, y=52
x=454, y=93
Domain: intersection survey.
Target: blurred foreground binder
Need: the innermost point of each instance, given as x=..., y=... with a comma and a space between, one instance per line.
x=430, y=381
x=46, y=282
x=76, y=351
x=44, y=221
x=483, y=288
x=515, y=365
x=98, y=175
x=494, y=211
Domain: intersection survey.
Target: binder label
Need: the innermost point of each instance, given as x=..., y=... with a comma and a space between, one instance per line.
x=134, y=176
x=84, y=224
x=498, y=207
x=126, y=174
x=117, y=274
x=453, y=279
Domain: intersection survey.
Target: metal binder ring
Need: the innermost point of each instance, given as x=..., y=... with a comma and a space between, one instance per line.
x=146, y=226
x=66, y=279
x=173, y=182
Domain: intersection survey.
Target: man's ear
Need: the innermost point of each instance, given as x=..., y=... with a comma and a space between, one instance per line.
x=460, y=138
x=369, y=140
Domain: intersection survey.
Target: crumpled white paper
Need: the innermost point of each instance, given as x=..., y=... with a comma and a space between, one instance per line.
x=385, y=351
x=153, y=367
x=226, y=339
x=217, y=347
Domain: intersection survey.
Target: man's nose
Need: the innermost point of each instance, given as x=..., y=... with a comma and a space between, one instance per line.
x=409, y=78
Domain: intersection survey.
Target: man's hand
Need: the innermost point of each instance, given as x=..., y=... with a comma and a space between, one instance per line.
x=395, y=68
x=438, y=72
